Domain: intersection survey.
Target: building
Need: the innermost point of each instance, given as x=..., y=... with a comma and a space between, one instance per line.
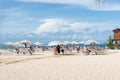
x=116, y=37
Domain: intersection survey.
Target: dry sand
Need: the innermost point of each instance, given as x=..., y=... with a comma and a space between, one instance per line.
x=68, y=67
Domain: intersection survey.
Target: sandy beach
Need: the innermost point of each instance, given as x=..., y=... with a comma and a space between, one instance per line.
x=67, y=67
x=59, y=39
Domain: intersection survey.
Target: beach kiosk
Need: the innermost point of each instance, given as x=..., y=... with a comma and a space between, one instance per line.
x=116, y=36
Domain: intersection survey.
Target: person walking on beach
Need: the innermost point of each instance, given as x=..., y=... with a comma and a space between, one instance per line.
x=78, y=49
x=30, y=49
x=58, y=49
x=18, y=50
x=62, y=49
x=55, y=51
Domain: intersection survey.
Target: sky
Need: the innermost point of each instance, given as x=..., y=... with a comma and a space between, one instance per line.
x=61, y=20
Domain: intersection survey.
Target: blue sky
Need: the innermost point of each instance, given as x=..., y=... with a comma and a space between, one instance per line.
x=45, y=20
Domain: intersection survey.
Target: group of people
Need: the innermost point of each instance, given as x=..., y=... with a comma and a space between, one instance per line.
x=59, y=49
x=30, y=50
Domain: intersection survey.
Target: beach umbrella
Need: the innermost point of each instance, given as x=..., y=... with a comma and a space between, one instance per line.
x=66, y=42
x=25, y=42
x=18, y=44
x=13, y=44
x=74, y=42
x=82, y=42
x=91, y=42
x=9, y=43
x=54, y=43
x=37, y=43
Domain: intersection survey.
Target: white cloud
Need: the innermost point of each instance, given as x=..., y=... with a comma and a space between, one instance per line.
x=90, y=4
x=75, y=36
x=63, y=29
x=63, y=1
x=16, y=20
x=53, y=25
x=29, y=35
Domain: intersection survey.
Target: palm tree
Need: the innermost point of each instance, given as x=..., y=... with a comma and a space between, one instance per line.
x=109, y=43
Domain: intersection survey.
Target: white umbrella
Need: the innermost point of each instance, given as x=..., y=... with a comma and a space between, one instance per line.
x=18, y=44
x=54, y=43
x=25, y=42
x=66, y=42
x=74, y=42
x=90, y=42
x=82, y=42
x=9, y=43
x=37, y=43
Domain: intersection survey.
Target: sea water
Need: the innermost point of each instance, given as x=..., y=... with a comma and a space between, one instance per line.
x=5, y=47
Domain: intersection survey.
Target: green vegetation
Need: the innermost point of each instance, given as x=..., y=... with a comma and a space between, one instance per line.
x=109, y=43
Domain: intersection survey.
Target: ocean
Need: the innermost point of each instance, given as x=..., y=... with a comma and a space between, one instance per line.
x=2, y=46
x=5, y=47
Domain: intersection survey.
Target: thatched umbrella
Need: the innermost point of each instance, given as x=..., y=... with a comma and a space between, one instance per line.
x=25, y=42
